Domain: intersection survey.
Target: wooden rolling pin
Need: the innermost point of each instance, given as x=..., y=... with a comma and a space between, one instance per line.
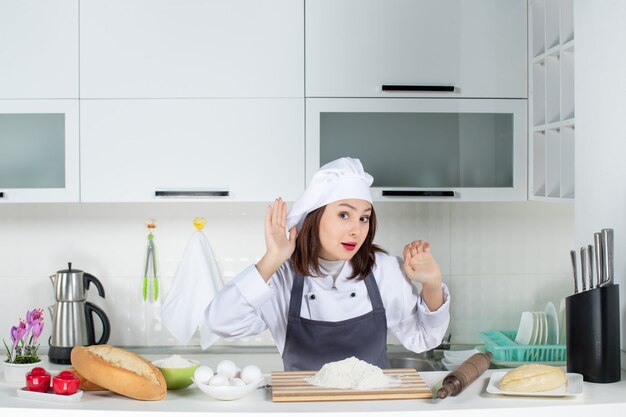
x=456, y=381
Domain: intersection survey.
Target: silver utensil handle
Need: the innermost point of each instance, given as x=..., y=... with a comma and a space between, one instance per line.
x=590, y=265
x=597, y=252
x=572, y=255
x=607, y=243
x=583, y=267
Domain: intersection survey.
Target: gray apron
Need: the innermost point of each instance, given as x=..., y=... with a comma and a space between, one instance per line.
x=309, y=344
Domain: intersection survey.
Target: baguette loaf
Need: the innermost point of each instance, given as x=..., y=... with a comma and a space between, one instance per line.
x=120, y=371
x=533, y=378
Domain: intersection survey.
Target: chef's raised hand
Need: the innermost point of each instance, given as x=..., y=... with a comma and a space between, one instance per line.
x=279, y=246
x=420, y=266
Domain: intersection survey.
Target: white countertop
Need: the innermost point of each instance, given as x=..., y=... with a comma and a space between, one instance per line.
x=606, y=399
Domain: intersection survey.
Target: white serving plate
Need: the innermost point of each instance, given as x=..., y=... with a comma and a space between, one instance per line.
x=459, y=355
x=49, y=396
x=553, y=324
x=450, y=365
x=574, y=387
x=228, y=393
x=526, y=328
x=562, y=323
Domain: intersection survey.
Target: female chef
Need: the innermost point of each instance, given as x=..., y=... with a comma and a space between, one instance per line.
x=324, y=289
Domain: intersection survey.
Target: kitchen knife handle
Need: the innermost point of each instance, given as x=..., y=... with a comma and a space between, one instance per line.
x=572, y=255
x=217, y=193
x=425, y=88
x=590, y=265
x=583, y=267
x=607, y=243
x=597, y=251
x=413, y=193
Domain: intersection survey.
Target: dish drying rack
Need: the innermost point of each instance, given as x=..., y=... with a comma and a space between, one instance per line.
x=503, y=347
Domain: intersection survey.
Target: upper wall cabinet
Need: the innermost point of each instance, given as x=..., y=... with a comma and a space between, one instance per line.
x=38, y=49
x=416, y=48
x=207, y=150
x=425, y=149
x=39, y=151
x=191, y=48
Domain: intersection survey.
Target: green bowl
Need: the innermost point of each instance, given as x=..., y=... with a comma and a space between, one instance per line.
x=178, y=378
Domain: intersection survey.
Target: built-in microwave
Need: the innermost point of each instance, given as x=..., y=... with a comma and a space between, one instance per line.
x=425, y=149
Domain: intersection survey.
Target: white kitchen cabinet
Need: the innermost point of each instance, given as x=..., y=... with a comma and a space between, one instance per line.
x=39, y=151
x=191, y=48
x=418, y=47
x=181, y=150
x=551, y=100
x=38, y=49
x=425, y=149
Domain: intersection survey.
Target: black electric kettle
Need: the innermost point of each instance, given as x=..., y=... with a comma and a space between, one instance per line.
x=72, y=315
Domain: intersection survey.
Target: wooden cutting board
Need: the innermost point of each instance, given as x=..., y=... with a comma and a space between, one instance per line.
x=292, y=387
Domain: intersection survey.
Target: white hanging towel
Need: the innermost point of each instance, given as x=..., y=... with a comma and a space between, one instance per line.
x=196, y=283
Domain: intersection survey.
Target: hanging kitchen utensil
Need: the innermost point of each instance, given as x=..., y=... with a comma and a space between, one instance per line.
x=147, y=289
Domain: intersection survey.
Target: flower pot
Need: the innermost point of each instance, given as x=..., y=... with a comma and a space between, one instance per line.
x=15, y=373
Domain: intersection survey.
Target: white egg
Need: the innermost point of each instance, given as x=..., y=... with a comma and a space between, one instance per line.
x=250, y=374
x=219, y=381
x=203, y=374
x=237, y=382
x=227, y=368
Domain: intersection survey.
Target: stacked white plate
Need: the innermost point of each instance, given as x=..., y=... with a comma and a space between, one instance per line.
x=562, y=324
x=539, y=327
x=453, y=358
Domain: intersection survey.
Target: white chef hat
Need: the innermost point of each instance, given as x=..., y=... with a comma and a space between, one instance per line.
x=341, y=179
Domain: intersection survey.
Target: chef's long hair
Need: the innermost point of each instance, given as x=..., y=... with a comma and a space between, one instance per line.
x=305, y=258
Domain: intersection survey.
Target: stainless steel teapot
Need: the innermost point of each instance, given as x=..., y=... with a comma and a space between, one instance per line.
x=72, y=315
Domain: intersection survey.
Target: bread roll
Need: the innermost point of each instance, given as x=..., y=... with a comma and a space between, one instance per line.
x=533, y=378
x=85, y=384
x=120, y=371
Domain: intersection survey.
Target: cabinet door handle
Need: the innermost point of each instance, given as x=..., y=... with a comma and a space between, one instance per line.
x=411, y=193
x=1, y=194
x=217, y=193
x=436, y=88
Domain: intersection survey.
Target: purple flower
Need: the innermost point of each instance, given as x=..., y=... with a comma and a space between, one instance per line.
x=17, y=332
x=33, y=316
x=14, y=338
x=37, y=329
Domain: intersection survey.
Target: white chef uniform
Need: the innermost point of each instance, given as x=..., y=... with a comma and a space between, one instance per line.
x=248, y=306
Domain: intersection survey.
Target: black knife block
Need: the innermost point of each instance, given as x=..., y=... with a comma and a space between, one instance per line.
x=593, y=334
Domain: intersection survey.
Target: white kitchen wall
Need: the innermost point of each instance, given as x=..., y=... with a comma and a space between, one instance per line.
x=498, y=258
x=600, y=130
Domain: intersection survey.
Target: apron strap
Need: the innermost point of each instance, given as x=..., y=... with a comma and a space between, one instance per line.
x=373, y=292
x=295, y=303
